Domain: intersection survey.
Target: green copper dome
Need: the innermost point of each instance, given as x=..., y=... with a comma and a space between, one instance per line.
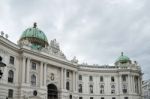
x=35, y=36
x=123, y=58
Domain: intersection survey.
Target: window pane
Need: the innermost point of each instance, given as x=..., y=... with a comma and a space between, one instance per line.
x=10, y=76
x=112, y=79
x=80, y=88
x=10, y=93
x=11, y=61
x=101, y=78
x=33, y=80
x=90, y=78
x=67, y=86
x=33, y=66
x=91, y=97
x=67, y=74
x=91, y=88
x=80, y=77
x=80, y=98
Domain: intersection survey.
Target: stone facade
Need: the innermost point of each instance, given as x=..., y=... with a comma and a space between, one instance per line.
x=146, y=89
x=47, y=74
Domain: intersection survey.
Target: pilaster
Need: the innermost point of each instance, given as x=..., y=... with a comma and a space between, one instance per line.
x=28, y=71
x=45, y=73
x=129, y=84
x=65, y=79
x=23, y=69
x=41, y=74
x=62, y=80
x=76, y=81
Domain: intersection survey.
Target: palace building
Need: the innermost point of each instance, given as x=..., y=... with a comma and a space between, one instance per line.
x=37, y=69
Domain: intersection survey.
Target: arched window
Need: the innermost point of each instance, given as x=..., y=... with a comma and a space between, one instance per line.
x=112, y=89
x=10, y=76
x=80, y=88
x=33, y=80
x=67, y=86
x=112, y=86
x=101, y=89
x=102, y=86
x=91, y=88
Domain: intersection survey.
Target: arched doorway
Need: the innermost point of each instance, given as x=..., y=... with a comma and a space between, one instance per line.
x=52, y=92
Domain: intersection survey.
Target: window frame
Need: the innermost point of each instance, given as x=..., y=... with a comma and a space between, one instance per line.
x=80, y=77
x=90, y=78
x=10, y=93
x=34, y=65
x=33, y=80
x=101, y=79
x=80, y=88
x=112, y=79
x=67, y=85
x=10, y=76
x=91, y=89
x=11, y=60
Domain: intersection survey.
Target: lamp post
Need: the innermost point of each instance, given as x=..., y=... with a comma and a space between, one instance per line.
x=2, y=65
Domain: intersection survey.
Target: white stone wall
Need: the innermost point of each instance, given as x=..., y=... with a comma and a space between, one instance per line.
x=48, y=64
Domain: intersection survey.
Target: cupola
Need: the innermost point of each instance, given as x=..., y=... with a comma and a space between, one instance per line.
x=35, y=37
x=122, y=59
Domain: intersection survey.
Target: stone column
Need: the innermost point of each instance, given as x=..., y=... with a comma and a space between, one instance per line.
x=129, y=84
x=76, y=81
x=41, y=74
x=45, y=74
x=120, y=84
x=28, y=71
x=62, y=76
x=133, y=84
x=139, y=86
x=65, y=79
x=23, y=69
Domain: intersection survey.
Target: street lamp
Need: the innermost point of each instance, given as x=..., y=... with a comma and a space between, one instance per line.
x=2, y=65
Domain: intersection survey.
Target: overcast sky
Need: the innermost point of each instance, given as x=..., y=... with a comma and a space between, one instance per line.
x=95, y=31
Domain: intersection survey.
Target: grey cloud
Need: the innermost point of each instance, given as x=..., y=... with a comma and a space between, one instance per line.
x=96, y=31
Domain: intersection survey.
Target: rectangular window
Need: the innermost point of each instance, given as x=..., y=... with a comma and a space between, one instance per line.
x=80, y=98
x=101, y=79
x=80, y=77
x=124, y=88
x=67, y=85
x=112, y=79
x=90, y=78
x=113, y=98
x=102, y=97
x=80, y=88
x=125, y=97
x=67, y=74
x=124, y=78
x=91, y=97
x=10, y=93
x=11, y=60
x=101, y=89
x=33, y=66
x=91, y=89
x=112, y=91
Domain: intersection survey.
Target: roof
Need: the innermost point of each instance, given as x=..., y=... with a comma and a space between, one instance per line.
x=123, y=58
x=34, y=32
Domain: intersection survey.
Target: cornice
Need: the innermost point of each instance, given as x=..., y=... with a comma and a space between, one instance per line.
x=49, y=57
x=9, y=44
